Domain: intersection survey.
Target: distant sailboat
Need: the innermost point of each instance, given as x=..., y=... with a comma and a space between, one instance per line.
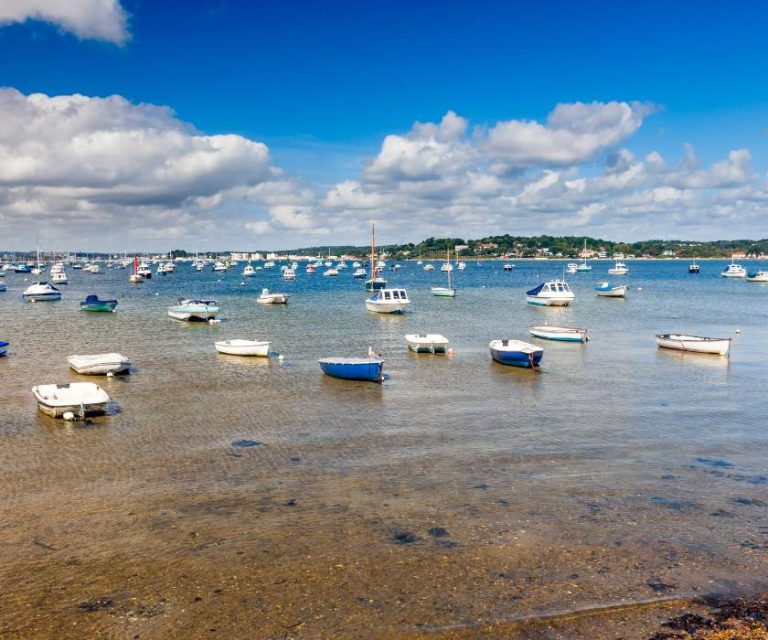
x=449, y=291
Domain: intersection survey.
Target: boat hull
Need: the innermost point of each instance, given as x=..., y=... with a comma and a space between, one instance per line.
x=193, y=315
x=49, y=403
x=521, y=359
x=362, y=369
x=548, y=302
x=613, y=292
x=42, y=297
x=246, y=348
x=273, y=298
x=108, y=363
x=694, y=344
x=444, y=292
x=386, y=307
x=559, y=334
x=103, y=306
x=4, y=348
x=427, y=343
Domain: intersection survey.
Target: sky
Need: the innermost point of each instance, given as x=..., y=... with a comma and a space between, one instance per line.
x=138, y=125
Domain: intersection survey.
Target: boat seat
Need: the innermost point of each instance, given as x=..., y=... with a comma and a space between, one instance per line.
x=505, y=343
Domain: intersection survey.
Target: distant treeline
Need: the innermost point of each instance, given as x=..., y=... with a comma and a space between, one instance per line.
x=516, y=246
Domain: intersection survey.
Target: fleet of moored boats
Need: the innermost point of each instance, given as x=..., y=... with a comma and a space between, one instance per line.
x=79, y=399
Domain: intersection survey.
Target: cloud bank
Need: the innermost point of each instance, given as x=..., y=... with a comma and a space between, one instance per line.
x=87, y=19
x=104, y=172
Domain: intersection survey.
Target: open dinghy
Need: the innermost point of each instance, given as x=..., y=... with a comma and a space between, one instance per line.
x=366, y=369
x=608, y=290
x=427, y=342
x=79, y=398
x=238, y=347
x=100, y=364
x=516, y=353
x=696, y=344
x=563, y=334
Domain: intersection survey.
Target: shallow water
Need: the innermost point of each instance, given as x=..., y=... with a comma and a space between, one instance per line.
x=460, y=493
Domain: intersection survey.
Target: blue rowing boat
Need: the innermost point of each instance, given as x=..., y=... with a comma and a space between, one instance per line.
x=516, y=353
x=367, y=369
x=3, y=347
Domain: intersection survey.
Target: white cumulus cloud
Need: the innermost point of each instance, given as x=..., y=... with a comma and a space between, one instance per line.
x=87, y=19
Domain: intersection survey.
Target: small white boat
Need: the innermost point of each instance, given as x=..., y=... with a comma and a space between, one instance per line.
x=734, y=270
x=239, y=347
x=554, y=293
x=693, y=267
x=189, y=310
x=427, y=342
x=561, y=334
x=388, y=301
x=40, y=292
x=289, y=273
x=219, y=266
x=509, y=266
x=697, y=344
x=93, y=268
x=79, y=398
x=328, y=272
x=571, y=267
x=100, y=364
x=359, y=272
x=461, y=266
x=267, y=297
x=135, y=278
x=446, y=266
x=618, y=269
x=248, y=271
x=443, y=292
x=608, y=290
x=59, y=277
x=428, y=267
x=757, y=276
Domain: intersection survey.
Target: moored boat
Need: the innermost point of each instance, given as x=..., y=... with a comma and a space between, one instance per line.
x=757, y=276
x=696, y=344
x=562, y=334
x=359, y=272
x=693, y=267
x=41, y=292
x=189, y=310
x=427, y=342
x=78, y=398
x=268, y=297
x=238, y=347
x=99, y=364
x=734, y=270
x=364, y=369
x=516, y=353
x=553, y=293
x=571, y=267
x=608, y=290
x=618, y=269
x=4, y=347
x=93, y=303
x=388, y=301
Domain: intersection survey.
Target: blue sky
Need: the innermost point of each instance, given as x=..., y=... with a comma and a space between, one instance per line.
x=323, y=84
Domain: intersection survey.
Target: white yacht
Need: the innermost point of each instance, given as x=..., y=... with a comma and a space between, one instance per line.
x=734, y=270
x=41, y=291
x=249, y=271
x=554, y=293
x=388, y=301
x=618, y=269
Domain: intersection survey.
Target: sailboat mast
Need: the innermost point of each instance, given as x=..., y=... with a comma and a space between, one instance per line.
x=449, y=267
x=373, y=249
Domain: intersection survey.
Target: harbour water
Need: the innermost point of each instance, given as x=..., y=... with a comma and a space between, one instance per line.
x=257, y=498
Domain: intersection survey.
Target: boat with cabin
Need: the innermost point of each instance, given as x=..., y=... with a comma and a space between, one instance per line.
x=693, y=267
x=553, y=293
x=618, y=269
x=516, y=353
x=695, y=344
x=733, y=270
x=757, y=276
x=249, y=271
x=268, y=297
x=388, y=301
x=190, y=310
x=41, y=292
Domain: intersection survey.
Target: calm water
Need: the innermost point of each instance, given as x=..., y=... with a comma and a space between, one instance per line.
x=458, y=493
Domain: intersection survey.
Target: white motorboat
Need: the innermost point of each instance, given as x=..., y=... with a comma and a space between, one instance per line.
x=608, y=290
x=267, y=297
x=561, y=334
x=239, y=347
x=289, y=273
x=461, y=266
x=329, y=272
x=190, y=310
x=93, y=268
x=359, y=272
x=428, y=267
x=144, y=270
x=734, y=270
x=40, y=292
x=59, y=277
x=78, y=398
x=100, y=364
x=219, y=266
x=427, y=342
x=618, y=269
x=388, y=301
x=249, y=271
x=554, y=293
x=696, y=344
x=757, y=276
x=693, y=267
x=571, y=267
x=508, y=266
x=446, y=266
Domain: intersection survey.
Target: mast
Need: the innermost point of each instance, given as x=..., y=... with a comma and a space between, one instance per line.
x=448, y=256
x=373, y=249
